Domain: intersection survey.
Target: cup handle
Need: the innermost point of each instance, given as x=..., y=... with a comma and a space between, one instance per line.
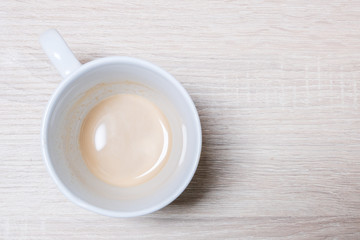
x=58, y=52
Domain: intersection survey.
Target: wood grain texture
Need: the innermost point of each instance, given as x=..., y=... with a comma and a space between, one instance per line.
x=277, y=87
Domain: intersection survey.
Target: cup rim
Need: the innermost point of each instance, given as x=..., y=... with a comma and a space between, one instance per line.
x=58, y=95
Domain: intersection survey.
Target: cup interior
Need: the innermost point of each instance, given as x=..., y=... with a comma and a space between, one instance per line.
x=78, y=94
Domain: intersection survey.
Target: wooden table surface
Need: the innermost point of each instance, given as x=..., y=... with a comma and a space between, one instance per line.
x=277, y=87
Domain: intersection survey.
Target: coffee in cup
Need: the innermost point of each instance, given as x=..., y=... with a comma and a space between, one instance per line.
x=125, y=140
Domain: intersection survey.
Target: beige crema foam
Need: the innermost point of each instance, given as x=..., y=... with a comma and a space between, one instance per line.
x=125, y=140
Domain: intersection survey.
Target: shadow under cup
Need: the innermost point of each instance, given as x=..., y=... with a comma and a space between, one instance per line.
x=78, y=94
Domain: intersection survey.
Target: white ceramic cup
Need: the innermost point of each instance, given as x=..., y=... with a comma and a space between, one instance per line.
x=82, y=88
